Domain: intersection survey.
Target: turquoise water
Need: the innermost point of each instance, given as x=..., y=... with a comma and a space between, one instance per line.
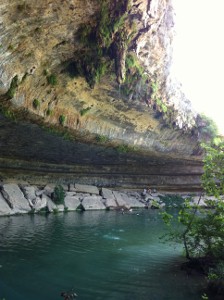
x=101, y=255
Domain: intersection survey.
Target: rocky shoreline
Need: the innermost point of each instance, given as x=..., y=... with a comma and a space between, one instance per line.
x=24, y=198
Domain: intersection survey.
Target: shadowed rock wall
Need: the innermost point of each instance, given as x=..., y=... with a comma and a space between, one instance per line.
x=29, y=153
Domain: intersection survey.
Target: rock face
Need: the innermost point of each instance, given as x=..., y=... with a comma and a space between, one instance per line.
x=98, y=73
x=39, y=68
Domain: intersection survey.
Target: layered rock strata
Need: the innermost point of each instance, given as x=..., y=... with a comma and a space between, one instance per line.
x=47, y=69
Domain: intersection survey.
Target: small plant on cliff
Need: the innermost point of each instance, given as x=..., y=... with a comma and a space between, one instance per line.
x=13, y=87
x=36, y=103
x=102, y=138
x=125, y=148
x=62, y=119
x=49, y=112
x=7, y=113
x=59, y=195
x=52, y=79
x=84, y=111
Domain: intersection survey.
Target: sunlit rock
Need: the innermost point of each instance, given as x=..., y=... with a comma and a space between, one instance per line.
x=4, y=207
x=90, y=189
x=51, y=206
x=16, y=198
x=93, y=203
x=71, y=202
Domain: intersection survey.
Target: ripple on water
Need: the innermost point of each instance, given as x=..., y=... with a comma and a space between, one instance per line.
x=101, y=255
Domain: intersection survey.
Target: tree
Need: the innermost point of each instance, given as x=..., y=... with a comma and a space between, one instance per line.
x=59, y=195
x=202, y=229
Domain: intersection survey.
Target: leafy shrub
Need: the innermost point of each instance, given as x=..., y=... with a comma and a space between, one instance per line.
x=45, y=72
x=13, y=86
x=49, y=112
x=52, y=79
x=7, y=113
x=59, y=195
x=36, y=103
x=155, y=87
x=62, y=119
x=102, y=138
x=84, y=110
x=207, y=126
x=10, y=47
x=132, y=62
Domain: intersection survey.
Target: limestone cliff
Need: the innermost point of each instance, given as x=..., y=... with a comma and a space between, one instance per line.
x=98, y=69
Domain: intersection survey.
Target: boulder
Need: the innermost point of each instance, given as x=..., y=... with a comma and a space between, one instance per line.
x=91, y=189
x=110, y=203
x=4, y=207
x=39, y=203
x=202, y=203
x=107, y=194
x=51, y=206
x=71, y=202
x=60, y=207
x=93, y=203
x=48, y=190
x=71, y=187
x=132, y=202
x=29, y=192
x=120, y=201
x=71, y=194
x=15, y=196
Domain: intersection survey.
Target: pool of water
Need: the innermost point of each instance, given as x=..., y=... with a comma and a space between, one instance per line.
x=100, y=255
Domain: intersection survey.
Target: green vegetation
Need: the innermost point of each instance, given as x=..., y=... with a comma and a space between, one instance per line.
x=135, y=84
x=13, y=86
x=7, y=113
x=172, y=200
x=154, y=87
x=102, y=138
x=59, y=195
x=132, y=63
x=84, y=111
x=207, y=126
x=36, y=103
x=45, y=72
x=10, y=47
x=100, y=41
x=62, y=119
x=52, y=79
x=24, y=77
x=161, y=106
x=201, y=230
x=125, y=148
x=49, y=112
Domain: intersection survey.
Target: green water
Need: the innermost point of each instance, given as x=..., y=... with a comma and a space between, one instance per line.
x=101, y=255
